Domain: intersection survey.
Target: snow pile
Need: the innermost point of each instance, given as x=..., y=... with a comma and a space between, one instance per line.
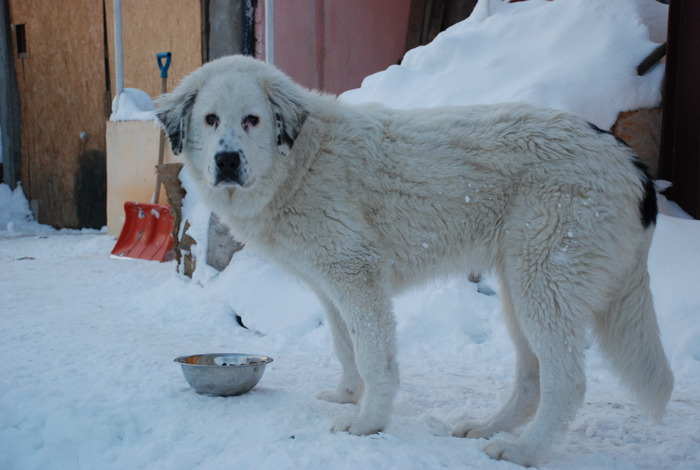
x=133, y=105
x=576, y=55
x=15, y=216
x=675, y=276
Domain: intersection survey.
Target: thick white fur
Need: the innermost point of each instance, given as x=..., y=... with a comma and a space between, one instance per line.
x=361, y=202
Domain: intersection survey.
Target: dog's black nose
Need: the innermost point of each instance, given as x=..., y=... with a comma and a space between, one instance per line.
x=228, y=166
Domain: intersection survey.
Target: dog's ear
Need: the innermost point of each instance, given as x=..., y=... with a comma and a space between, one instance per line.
x=174, y=115
x=288, y=107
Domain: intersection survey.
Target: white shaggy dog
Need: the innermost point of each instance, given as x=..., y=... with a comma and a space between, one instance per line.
x=361, y=202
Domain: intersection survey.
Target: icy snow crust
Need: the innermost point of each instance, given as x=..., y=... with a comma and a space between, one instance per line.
x=87, y=343
x=88, y=380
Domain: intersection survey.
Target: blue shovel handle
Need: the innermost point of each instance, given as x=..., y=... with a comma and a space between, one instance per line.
x=164, y=56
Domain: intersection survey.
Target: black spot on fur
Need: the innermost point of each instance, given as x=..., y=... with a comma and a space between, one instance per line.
x=648, y=208
x=288, y=129
x=598, y=129
x=175, y=123
x=601, y=131
x=285, y=139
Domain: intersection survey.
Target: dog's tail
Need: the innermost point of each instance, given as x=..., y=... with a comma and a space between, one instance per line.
x=629, y=337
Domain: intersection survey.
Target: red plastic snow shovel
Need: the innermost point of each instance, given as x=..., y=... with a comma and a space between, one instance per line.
x=147, y=227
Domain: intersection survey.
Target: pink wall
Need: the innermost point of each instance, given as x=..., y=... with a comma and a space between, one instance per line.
x=331, y=45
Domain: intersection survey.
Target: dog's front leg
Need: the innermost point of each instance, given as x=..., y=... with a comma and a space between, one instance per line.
x=367, y=313
x=350, y=386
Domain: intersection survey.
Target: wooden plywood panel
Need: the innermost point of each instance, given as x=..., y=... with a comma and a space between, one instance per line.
x=61, y=80
x=151, y=27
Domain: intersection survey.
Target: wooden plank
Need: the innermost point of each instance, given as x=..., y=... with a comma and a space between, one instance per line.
x=10, y=108
x=429, y=17
x=151, y=27
x=414, y=32
x=680, y=141
x=61, y=80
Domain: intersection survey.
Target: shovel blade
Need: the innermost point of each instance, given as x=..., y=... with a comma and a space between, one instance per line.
x=146, y=233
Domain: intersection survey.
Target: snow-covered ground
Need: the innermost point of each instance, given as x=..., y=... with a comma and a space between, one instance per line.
x=87, y=379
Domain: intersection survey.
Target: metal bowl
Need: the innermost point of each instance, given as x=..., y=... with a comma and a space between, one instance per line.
x=223, y=374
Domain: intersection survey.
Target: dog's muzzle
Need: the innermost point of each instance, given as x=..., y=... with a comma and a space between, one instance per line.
x=228, y=168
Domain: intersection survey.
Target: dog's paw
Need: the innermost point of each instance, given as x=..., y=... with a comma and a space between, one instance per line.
x=334, y=396
x=357, y=425
x=510, y=451
x=473, y=430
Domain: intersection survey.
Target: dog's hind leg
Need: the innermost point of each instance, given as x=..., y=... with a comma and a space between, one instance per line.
x=628, y=334
x=554, y=326
x=523, y=400
x=350, y=385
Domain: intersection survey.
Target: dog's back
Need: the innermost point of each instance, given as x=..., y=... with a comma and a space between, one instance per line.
x=443, y=189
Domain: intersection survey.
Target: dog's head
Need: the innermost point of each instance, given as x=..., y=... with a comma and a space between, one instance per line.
x=232, y=118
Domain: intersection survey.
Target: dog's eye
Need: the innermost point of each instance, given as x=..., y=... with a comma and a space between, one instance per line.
x=250, y=121
x=212, y=119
